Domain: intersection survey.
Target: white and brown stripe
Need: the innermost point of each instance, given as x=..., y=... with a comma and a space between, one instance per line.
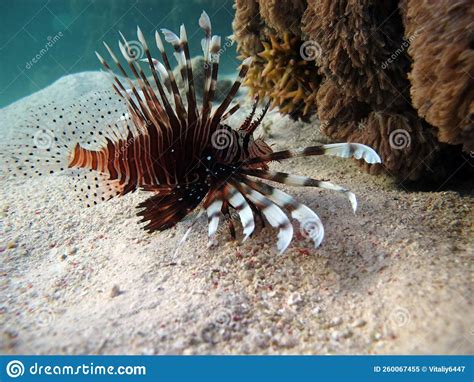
x=343, y=150
x=298, y=211
x=298, y=180
x=274, y=215
x=240, y=204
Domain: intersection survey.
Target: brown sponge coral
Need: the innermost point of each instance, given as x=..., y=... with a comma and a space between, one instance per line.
x=247, y=26
x=406, y=144
x=280, y=73
x=356, y=39
x=284, y=16
x=365, y=95
x=442, y=77
x=396, y=75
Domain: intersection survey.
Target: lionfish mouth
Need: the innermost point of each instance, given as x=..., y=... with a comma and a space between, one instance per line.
x=182, y=152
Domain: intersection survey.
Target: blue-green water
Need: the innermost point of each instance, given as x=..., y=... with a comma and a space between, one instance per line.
x=43, y=40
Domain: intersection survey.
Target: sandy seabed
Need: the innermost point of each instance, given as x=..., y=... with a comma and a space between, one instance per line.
x=394, y=278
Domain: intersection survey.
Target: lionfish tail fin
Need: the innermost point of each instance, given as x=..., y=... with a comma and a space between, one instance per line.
x=45, y=142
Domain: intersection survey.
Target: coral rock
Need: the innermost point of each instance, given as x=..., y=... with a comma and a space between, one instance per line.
x=280, y=73
x=357, y=38
x=283, y=15
x=442, y=77
x=406, y=144
x=247, y=26
x=383, y=72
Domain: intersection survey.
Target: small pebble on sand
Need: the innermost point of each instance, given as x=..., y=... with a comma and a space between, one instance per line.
x=115, y=291
x=358, y=323
x=12, y=245
x=336, y=321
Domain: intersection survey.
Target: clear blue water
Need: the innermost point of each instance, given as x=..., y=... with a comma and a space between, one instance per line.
x=43, y=40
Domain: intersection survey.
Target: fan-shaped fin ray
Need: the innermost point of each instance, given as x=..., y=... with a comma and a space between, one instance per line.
x=298, y=180
x=181, y=112
x=238, y=202
x=310, y=224
x=232, y=92
x=343, y=150
x=274, y=215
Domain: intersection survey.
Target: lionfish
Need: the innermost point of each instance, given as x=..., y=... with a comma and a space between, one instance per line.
x=181, y=152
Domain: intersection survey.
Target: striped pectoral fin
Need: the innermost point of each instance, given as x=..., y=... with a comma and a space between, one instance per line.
x=238, y=202
x=310, y=224
x=274, y=215
x=298, y=180
x=159, y=214
x=228, y=217
x=343, y=150
x=356, y=150
x=213, y=215
x=231, y=111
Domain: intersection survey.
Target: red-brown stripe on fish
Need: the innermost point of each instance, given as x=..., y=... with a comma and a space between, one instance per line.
x=148, y=134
